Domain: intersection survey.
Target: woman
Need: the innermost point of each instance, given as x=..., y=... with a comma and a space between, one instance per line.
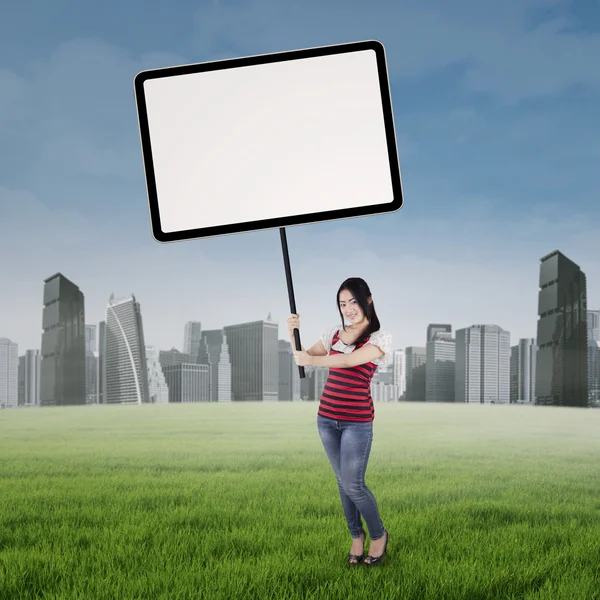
x=345, y=416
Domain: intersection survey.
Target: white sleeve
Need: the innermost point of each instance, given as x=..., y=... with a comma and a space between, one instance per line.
x=327, y=338
x=383, y=340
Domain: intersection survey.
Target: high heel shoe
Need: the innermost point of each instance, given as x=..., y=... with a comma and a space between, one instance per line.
x=356, y=559
x=374, y=560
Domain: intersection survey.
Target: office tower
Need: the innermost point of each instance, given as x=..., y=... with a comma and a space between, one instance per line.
x=62, y=371
x=9, y=373
x=125, y=360
x=440, y=354
x=593, y=336
x=101, y=360
x=522, y=371
x=172, y=357
x=289, y=376
x=91, y=365
x=157, y=385
x=191, y=338
x=313, y=384
x=482, y=364
x=399, y=371
x=561, y=365
x=214, y=351
x=29, y=378
x=416, y=357
x=435, y=328
x=384, y=392
x=187, y=382
x=254, y=354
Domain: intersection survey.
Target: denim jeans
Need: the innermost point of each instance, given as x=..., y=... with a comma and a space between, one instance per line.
x=348, y=445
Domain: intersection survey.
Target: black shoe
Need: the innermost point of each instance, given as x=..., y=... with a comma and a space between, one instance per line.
x=356, y=559
x=374, y=560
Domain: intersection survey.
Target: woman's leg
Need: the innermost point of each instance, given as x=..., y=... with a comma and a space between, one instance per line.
x=355, y=447
x=330, y=433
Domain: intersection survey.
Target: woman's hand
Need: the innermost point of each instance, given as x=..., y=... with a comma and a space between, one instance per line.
x=302, y=358
x=293, y=322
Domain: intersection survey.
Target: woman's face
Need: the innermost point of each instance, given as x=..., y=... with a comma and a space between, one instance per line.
x=350, y=308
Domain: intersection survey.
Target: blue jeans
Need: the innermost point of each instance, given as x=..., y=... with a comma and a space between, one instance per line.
x=348, y=445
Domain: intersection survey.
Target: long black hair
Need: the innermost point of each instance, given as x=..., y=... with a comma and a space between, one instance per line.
x=360, y=291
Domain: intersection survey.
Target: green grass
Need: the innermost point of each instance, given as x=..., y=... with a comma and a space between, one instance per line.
x=238, y=501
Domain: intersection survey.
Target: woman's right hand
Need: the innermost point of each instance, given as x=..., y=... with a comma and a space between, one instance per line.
x=293, y=322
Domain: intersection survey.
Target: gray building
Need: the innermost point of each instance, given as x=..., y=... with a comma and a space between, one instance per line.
x=435, y=328
x=91, y=365
x=187, y=382
x=399, y=372
x=157, y=384
x=440, y=356
x=101, y=360
x=313, y=384
x=192, y=335
x=62, y=370
x=172, y=357
x=254, y=353
x=416, y=360
x=522, y=371
x=289, y=376
x=482, y=364
x=593, y=336
x=9, y=373
x=561, y=365
x=29, y=378
x=214, y=352
x=125, y=360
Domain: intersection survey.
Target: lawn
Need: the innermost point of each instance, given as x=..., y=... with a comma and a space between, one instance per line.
x=237, y=500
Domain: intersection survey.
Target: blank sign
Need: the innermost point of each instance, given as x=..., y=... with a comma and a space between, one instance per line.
x=268, y=141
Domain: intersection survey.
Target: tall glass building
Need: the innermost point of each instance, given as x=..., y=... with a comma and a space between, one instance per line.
x=125, y=353
x=62, y=369
x=522, y=371
x=191, y=338
x=416, y=357
x=9, y=373
x=214, y=352
x=593, y=336
x=254, y=353
x=562, y=365
x=440, y=357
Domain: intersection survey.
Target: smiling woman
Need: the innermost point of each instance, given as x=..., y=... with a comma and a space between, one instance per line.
x=352, y=351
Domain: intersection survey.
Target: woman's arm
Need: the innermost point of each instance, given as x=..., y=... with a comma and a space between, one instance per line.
x=366, y=354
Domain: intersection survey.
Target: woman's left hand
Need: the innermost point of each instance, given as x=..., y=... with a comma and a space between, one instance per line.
x=302, y=358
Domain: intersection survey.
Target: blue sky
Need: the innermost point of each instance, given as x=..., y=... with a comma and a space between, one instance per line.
x=496, y=117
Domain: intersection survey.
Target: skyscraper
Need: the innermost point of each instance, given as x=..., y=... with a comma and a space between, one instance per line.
x=214, y=352
x=187, y=382
x=91, y=365
x=434, y=328
x=416, y=358
x=561, y=365
x=62, y=371
x=169, y=358
x=157, y=385
x=101, y=361
x=9, y=373
x=399, y=371
x=593, y=336
x=313, y=384
x=482, y=364
x=440, y=362
x=254, y=354
x=29, y=378
x=191, y=338
x=289, y=377
x=125, y=360
x=522, y=371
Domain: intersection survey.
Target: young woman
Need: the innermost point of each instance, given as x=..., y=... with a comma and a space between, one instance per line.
x=345, y=416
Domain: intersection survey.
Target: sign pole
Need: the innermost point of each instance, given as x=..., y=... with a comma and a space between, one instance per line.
x=290, y=287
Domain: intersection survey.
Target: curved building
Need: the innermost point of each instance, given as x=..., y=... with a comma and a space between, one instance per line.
x=126, y=369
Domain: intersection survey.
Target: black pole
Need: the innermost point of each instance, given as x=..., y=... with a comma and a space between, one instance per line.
x=290, y=287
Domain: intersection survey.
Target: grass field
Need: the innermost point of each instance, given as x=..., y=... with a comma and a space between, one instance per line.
x=227, y=501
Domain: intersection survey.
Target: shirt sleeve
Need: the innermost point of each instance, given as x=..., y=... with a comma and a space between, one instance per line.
x=383, y=340
x=327, y=337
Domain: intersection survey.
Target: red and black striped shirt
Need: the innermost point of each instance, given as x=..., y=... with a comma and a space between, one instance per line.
x=347, y=392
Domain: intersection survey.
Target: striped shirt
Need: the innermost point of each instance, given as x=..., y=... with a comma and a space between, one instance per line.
x=347, y=392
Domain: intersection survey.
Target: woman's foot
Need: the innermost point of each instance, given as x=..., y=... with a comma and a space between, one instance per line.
x=357, y=552
x=377, y=550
